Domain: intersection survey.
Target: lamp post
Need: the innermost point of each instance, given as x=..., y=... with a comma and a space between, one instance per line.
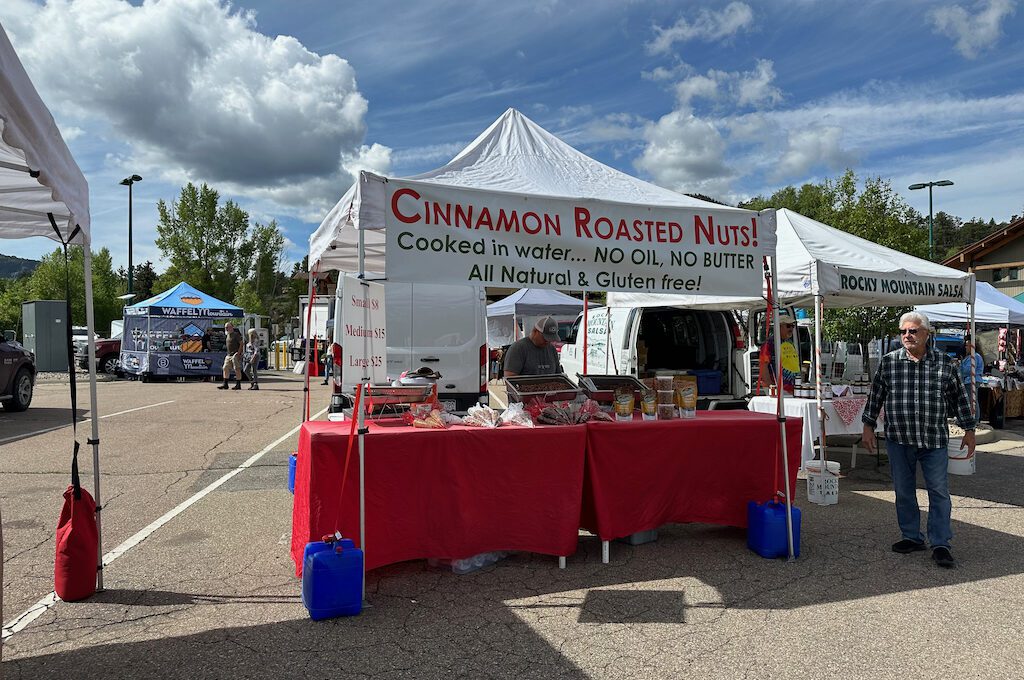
x=128, y=182
x=922, y=185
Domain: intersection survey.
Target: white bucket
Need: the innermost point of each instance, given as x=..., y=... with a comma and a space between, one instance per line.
x=959, y=461
x=822, y=489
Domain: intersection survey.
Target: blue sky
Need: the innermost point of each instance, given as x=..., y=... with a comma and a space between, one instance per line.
x=277, y=104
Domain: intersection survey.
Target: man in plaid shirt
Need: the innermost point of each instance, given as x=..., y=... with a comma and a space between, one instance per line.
x=919, y=386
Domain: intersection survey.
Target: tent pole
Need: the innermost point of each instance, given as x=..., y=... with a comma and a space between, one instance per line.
x=974, y=349
x=780, y=408
x=90, y=323
x=819, y=311
x=584, y=332
x=306, y=331
x=362, y=422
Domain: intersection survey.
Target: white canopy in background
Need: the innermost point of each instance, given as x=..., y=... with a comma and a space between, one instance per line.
x=523, y=308
x=513, y=156
x=846, y=270
x=535, y=302
x=38, y=179
x=991, y=307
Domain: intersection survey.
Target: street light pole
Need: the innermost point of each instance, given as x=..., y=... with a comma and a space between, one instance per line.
x=128, y=182
x=922, y=185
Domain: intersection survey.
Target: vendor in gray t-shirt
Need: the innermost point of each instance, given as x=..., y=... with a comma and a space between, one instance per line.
x=534, y=355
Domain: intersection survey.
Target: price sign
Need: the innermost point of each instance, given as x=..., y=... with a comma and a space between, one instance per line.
x=363, y=332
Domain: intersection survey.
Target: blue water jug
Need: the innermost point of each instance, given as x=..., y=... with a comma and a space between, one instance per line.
x=292, y=462
x=332, y=578
x=766, y=529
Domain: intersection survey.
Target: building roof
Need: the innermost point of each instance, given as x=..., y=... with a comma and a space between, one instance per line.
x=989, y=244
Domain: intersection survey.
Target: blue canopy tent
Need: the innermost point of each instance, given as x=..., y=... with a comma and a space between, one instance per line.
x=174, y=334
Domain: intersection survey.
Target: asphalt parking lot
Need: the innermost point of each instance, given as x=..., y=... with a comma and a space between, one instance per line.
x=211, y=593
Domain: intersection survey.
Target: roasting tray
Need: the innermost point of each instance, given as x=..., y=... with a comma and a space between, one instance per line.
x=384, y=395
x=601, y=388
x=526, y=388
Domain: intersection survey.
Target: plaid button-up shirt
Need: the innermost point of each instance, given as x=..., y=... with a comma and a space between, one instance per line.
x=918, y=397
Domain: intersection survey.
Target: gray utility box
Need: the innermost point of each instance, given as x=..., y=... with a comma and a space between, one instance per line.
x=45, y=329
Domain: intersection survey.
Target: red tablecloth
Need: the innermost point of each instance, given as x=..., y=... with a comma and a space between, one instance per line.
x=442, y=493
x=641, y=475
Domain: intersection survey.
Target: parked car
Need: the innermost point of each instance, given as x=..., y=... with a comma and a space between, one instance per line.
x=17, y=375
x=108, y=355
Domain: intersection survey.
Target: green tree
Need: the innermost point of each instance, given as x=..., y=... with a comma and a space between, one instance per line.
x=206, y=244
x=872, y=210
x=50, y=280
x=12, y=293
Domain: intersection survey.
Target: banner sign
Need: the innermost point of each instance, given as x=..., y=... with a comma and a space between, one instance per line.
x=444, y=234
x=363, y=332
x=899, y=287
x=172, y=363
x=180, y=312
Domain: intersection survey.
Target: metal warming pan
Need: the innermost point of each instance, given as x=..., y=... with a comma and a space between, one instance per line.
x=554, y=387
x=601, y=388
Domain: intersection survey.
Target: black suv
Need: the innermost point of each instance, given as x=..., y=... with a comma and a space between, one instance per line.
x=17, y=375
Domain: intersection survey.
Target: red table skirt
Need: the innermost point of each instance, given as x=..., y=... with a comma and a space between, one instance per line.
x=441, y=493
x=462, y=491
x=642, y=475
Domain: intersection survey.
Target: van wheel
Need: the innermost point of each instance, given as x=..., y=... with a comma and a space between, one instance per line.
x=22, y=392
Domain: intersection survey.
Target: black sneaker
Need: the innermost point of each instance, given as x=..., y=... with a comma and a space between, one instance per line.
x=907, y=546
x=943, y=557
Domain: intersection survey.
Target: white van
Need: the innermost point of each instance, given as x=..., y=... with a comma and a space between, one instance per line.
x=644, y=341
x=440, y=326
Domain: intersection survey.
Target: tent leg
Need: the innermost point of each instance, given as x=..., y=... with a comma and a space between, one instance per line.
x=90, y=323
x=604, y=552
x=781, y=411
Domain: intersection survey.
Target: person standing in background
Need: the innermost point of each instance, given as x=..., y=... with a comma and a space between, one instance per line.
x=233, y=359
x=790, y=357
x=252, y=358
x=919, y=387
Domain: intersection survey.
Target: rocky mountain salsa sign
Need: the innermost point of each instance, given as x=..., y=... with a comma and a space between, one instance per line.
x=450, y=235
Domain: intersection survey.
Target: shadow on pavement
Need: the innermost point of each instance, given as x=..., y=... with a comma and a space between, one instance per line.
x=17, y=426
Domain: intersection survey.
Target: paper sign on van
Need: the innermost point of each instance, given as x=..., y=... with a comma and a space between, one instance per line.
x=364, y=352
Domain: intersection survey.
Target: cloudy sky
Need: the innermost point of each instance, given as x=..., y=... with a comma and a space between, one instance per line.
x=276, y=104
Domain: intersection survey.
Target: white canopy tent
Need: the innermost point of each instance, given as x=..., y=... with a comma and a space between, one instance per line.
x=819, y=264
x=990, y=307
x=522, y=308
x=44, y=193
x=517, y=165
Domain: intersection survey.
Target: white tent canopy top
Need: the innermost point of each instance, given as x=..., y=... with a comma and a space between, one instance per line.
x=535, y=302
x=991, y=307
x=38, y=176
x=513, y=155
x=846, y=270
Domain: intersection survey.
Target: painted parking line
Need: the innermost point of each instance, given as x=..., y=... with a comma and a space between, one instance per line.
x=26, y=435
x=35, y=611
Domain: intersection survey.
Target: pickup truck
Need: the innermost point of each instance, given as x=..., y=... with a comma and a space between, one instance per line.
x=108, y=355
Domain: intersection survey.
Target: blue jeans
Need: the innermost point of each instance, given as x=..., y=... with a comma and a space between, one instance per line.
x=903, y=460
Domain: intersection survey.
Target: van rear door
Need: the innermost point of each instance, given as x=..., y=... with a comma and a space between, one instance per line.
x=448, y=332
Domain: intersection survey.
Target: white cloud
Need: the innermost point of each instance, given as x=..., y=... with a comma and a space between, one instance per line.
x=755, y=87
x=707, y=27
x=973, y=33
x=685, y=153
x=810, y=148
x=199, y=94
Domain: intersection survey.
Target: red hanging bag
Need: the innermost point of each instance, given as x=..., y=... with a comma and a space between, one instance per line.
x=74, y=569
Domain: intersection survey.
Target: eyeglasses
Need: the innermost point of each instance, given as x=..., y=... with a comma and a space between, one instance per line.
x=910, y=331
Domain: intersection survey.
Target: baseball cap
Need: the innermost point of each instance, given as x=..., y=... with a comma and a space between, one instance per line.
x=548, y=328
x=786, y=318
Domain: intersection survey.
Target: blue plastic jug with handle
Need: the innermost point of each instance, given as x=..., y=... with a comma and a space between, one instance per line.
x=766, y=529
x=332, y=578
